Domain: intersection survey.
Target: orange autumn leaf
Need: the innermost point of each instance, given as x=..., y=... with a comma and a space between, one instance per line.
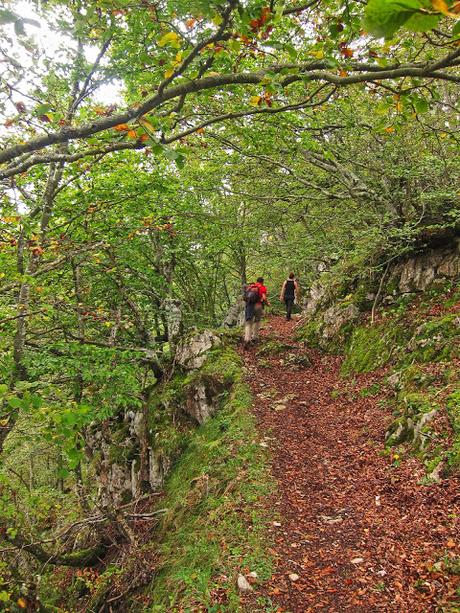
x=265, y=14
x=343, y=73
x=121, y=127
x=190, y=23
x=132, y=134
x=143, y=138
x=442, y=7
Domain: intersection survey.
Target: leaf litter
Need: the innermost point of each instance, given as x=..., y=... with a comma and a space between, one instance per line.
x=360, y=534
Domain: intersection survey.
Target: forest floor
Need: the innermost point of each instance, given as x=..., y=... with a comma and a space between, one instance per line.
x=356, y=528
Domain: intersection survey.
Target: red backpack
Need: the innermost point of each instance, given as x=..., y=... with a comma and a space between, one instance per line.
x=252, y=294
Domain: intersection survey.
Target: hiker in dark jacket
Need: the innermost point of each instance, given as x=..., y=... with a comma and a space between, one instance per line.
x=255, y=296
x=290, y=294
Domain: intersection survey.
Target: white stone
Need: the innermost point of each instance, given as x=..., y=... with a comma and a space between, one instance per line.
x=293, y=577
x=357, y=560
x=243, y=584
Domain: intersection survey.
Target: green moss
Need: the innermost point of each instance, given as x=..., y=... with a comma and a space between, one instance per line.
x=414, y=378
x=372, y=346
x=360, y=296
x=415, y=403
x=436, y=340
x=398, y=432
x=122, y=450
x=214, y=525
x=371, y=391
x=222, y=363
x=453, y=455
x=453, y=409
x=453, y=299
x=309, y=333
x=392, y=286
x=272, y=347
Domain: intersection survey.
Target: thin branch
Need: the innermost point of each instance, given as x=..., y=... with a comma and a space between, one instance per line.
x=311, y=72
x=67, y=157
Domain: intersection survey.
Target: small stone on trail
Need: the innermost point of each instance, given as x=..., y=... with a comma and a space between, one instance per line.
x=243, y=584
x=253, y=574
x=357, y=560
x=263, y=444
x=331, y=519
x=276, y=524
x=293, y=577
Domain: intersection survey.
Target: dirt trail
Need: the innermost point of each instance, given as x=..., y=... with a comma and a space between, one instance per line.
x=360, y=531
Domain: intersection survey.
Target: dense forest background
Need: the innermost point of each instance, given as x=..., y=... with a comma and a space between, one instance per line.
x=157, y=157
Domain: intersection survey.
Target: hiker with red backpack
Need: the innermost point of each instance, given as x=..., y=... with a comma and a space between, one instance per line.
x=255, y=296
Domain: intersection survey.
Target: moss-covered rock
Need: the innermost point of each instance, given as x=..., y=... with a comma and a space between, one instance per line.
x=435, y=340
x=373, y=346
x=310, y=332
x=417, y=411
x=453, y=455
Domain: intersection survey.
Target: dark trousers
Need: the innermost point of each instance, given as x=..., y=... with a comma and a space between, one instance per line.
x=289, y=304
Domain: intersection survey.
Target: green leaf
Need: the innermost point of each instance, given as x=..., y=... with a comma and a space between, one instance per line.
x=171, y=154
x=180, y=161
x=37, y=402
x=420, y=104
x=422, y=23
x=383, y=18
x=69, y=418
x=15, y=403
x=74, y=456
x=3, y=388
x=456, y=29
x=42, y=109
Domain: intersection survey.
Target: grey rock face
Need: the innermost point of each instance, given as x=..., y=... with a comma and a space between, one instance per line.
x=191, y=352
x=159, y=466
x=203, y=399
x=410, y=428
x=317, y=296
x=336, y=316
x=235, y=315
x=419, y=272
